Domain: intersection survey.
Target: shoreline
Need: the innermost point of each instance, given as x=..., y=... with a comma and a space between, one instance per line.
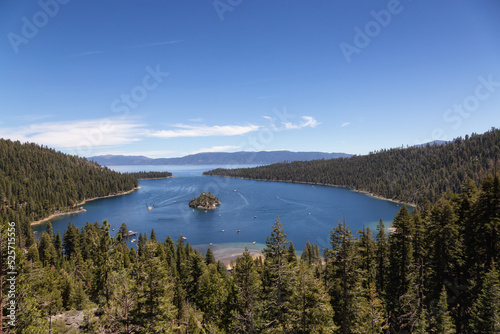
x=327, y=185
x=78, y=207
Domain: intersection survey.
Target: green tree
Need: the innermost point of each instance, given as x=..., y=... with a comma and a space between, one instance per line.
x=443, y=321
x=248, y=288
x=370, y=317
x=155, y=293
x=382, y=256
x=310, y=305
x=486, y=310
x=212, y=295
x=343, y=275
x=401, y=292
x=209, y=257
x=278, y=280
x=118, y=315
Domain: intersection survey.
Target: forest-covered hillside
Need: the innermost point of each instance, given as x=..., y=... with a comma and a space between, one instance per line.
x=437, y=273
x=406, y=174
x=36, y=181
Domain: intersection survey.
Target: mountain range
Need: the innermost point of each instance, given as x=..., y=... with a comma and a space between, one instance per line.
x=226, y=158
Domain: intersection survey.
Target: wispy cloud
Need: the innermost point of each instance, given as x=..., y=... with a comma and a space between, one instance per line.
x=308, y=121
x=154, y=44
x=184, y=130
x=216, y=149
x=75, y=134
x=345, y=124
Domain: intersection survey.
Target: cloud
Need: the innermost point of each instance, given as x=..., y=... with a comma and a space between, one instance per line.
x=217, y=149
x=184, y=130
x=78, y=134
x=308, y=121
x=345, y=124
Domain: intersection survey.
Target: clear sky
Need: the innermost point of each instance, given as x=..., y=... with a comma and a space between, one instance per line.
x=168, y=78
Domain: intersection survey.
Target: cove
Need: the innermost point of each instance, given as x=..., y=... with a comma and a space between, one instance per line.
x=307, y=212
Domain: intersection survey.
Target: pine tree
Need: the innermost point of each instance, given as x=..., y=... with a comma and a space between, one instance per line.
x=310, y=305
x=307, y=253
x=248, y=288
x=292, y=257
x=71, y=240
x=382, y=258
x=212, y=294
x=118, y=315
x=343, y=275
x=155, y=294
x=446, y=246
x=370, y=315
x=486, y=310
x=367, y=250
x=209, y=257
x=401, y=271
x=278, y=280
x=152, y=237
x=443, y=321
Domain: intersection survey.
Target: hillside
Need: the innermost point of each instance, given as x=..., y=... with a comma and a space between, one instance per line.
x=36, y=181
x=219, y=158
x=406, y=174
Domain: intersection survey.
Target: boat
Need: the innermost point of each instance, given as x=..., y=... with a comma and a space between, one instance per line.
x=255, y=216
x=238, y=231
x=133, y=240
x=183, y=238
x=223, y=231
x=130, y=232
x=253, y=242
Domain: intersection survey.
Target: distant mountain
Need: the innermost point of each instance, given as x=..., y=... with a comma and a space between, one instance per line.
x=218, y=158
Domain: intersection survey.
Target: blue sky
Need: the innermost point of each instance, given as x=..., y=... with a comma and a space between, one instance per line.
x=170, y=78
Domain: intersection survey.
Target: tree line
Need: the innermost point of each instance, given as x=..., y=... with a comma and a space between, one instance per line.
x=143, y=175
x=435, y=272
x=406, y=174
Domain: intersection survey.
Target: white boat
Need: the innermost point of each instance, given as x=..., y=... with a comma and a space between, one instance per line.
x=130, y=232
x=133, y=240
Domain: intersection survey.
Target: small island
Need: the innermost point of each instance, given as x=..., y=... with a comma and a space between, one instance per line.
x=205, y=201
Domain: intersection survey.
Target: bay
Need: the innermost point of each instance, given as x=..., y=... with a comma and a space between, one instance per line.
x=307, y=212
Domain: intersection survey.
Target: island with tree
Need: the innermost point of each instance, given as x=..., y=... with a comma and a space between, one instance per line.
x=205, y=201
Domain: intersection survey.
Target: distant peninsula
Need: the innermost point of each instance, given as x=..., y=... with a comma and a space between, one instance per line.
x=205, y=201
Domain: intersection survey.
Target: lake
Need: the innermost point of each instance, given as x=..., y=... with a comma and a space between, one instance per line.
x=307, y=212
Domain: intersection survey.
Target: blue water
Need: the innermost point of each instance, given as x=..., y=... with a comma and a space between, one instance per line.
x=307, y=212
